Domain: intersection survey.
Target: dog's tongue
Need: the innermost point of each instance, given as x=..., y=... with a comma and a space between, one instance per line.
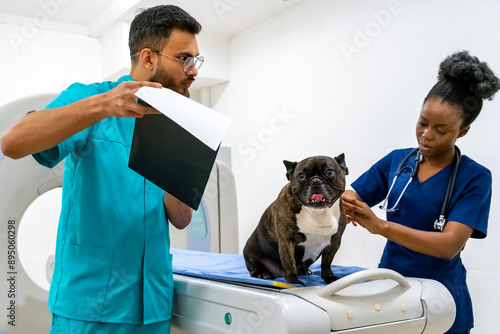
x=317, y=197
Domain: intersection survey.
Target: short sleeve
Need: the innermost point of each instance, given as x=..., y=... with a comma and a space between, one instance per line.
x=51, y=157
x=473, y=204
x=372, y=185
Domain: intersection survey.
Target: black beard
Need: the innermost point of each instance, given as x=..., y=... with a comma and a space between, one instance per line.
x=161, y=76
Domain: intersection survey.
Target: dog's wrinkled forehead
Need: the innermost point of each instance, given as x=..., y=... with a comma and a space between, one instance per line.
x=316, y=165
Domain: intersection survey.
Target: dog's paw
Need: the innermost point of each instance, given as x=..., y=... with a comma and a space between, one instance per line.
x=330, y=279
x=264, y=275
x=303, y=272
x=294, y=280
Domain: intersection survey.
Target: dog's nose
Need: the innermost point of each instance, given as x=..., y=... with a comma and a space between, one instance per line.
x=315, y=181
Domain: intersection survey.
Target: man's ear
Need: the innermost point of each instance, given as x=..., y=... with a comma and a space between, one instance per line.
x=147, y=59
x=290, y=168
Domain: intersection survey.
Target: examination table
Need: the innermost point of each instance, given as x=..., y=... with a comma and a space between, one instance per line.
x=215, y=294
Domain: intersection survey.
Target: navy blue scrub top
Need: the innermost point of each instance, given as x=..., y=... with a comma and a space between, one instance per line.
x=113, y=261
x=419, y=207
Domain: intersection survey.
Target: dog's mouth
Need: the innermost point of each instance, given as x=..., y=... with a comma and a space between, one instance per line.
x=319, y=199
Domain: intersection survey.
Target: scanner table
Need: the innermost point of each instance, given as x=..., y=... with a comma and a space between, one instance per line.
x=213, y=293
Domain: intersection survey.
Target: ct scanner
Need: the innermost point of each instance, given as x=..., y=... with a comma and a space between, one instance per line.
x=22, y=182
x=216, y=295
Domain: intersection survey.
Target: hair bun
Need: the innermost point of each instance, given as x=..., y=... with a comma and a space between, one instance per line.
x=476, y=75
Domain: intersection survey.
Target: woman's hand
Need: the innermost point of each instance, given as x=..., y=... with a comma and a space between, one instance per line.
x=358, y=212
x=445, y=245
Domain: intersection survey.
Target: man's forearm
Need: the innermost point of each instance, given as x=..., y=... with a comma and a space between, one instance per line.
x=178, y=213
x=47, y=128
x=43, y=129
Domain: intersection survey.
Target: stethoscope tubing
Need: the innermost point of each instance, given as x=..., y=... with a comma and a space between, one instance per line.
x=383, y=206
x=400, y=170
x=441, y=221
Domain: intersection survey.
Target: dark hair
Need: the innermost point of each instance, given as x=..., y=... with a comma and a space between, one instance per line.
x=151, y=27
x=464, y=81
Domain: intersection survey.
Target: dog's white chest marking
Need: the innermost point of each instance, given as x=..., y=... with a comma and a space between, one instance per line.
x=318, y=225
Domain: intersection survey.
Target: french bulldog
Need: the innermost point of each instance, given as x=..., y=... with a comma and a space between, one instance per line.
x=305, y=221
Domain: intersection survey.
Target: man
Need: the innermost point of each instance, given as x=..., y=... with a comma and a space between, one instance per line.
x=113, y=269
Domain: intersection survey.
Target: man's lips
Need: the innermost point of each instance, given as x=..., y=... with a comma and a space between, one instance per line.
x=188, y=83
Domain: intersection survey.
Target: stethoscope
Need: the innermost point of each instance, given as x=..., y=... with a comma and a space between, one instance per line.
x=441, y=221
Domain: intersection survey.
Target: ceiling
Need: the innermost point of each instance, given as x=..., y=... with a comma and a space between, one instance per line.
x=93, y=17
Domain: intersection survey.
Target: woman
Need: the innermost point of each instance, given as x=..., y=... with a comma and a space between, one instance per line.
x=414, y=247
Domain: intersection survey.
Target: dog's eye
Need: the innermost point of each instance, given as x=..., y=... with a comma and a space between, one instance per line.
x=301, y=176
x=329, y=172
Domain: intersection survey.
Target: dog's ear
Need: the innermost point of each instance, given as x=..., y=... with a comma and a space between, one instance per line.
x=341, y=161
x=290, y=167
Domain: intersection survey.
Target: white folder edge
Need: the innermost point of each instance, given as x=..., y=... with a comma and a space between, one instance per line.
x=206, y=124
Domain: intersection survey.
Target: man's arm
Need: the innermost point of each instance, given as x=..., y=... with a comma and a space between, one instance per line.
x=178, y=213
x=43, y=129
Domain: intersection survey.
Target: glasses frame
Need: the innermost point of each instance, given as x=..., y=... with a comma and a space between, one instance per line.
x=188, y=63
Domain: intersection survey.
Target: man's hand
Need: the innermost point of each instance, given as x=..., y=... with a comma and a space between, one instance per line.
x=121, y=100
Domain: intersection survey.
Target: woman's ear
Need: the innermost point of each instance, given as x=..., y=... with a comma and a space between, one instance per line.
x=464, y=131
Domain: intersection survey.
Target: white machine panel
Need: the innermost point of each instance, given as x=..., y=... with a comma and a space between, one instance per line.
x=373, y=301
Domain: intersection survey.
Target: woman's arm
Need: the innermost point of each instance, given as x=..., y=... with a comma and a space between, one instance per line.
x=444, y=245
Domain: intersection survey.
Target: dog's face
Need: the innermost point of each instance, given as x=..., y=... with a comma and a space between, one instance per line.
x=317, y=181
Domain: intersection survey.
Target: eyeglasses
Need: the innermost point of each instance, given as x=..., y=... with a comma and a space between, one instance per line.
x=188, y=63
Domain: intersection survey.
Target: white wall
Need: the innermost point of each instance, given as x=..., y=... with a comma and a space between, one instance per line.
x=295, y=93
x=37, y=60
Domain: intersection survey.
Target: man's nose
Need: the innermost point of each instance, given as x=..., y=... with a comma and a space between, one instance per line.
x=192, y=71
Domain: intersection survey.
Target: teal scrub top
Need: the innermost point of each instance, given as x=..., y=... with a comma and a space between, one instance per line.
x=113, y=261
